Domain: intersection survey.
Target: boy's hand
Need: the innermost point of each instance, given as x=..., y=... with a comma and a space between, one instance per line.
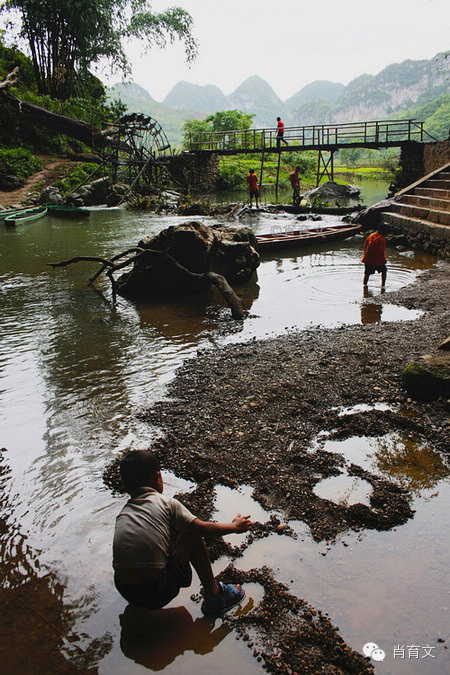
x=242, y=523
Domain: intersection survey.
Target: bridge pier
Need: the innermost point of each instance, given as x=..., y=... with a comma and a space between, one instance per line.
x=325, y=171
x=195, y=172
x=420, y=159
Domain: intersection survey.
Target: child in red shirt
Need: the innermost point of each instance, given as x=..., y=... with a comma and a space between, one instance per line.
x=252, y=181
x=374, y=254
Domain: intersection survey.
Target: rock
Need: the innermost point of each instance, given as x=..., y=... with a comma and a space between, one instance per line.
x=51, y=195
x=230, y=252
x=10, y=183
x=75, y=199
x=195, y=209
x=89, y=195
x=428, y=377
x=332, y=190
x=370, y=218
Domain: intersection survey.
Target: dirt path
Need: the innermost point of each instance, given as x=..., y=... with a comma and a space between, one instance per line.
x=52, y=170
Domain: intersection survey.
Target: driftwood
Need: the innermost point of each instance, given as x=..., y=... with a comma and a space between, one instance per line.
x=108, y=267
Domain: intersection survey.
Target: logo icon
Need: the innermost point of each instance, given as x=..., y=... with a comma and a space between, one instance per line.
x=373, y=651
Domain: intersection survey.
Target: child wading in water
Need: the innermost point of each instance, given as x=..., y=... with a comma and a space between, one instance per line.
x=374, y=255
x=252, y=181
x=156, y=538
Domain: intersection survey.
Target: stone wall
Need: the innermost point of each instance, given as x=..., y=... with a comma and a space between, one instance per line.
x=411, y=163
x=435, y=155
x=419, y=159
x=196, y=173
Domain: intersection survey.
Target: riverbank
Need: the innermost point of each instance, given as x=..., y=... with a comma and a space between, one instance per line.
x=248, y=414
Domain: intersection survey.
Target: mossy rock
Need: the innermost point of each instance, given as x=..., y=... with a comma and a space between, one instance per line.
x=428, y=378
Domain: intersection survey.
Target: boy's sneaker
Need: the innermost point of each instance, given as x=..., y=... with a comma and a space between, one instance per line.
x=229, y=596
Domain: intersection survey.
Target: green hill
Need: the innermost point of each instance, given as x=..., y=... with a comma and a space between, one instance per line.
x=409, y=89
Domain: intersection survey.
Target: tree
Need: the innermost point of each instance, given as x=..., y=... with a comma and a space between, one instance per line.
x=225, y=120
x=350, y=156
x=192, y=132
x=230, y=120
x=66, y=39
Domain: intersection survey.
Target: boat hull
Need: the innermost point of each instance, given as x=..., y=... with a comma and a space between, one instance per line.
x=72, y=212
x=300, y=238
x=25, y=216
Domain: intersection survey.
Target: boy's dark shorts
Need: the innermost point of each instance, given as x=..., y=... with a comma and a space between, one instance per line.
x=160, y=591
x=370, y=269
x=254, y=193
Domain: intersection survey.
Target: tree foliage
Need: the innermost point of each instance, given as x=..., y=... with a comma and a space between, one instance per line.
x=222, y=121
x=230, y=120
x=192, y=132
x=66, y=39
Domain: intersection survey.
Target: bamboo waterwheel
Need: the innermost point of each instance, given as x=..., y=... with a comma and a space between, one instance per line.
x=142, y=150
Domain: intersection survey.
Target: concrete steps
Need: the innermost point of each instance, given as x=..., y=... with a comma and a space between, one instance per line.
x=424, y=206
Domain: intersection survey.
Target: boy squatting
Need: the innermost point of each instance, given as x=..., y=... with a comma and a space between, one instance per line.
x=156, y=539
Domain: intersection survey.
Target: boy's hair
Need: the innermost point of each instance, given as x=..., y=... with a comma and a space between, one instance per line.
x=251, y=170
x=384, y=228
x=136, y=467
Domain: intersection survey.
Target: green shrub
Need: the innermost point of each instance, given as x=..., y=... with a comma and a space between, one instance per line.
x=76, y=177
x=231, y=177
x=18, y=162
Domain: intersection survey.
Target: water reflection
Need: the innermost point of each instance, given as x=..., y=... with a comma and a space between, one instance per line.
x=155, y=638
x=406, y=459
x=345, y=490
x=371, y=311
x=402, y=457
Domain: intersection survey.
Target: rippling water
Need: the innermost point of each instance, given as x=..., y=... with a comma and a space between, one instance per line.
x=74, y=372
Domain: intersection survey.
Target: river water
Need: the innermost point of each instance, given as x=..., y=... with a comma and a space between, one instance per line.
x=73, y=374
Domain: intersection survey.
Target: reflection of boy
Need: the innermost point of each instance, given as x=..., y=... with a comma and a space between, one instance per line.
x=252, y=181
x=294, y=177
x=156, y=538
x=374, y=254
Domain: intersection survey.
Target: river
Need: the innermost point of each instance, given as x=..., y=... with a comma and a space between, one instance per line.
x=73, y=374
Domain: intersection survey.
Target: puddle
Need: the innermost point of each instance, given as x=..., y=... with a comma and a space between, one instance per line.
x=174, y=485
x=345, y=490
x=230, y=502
x=361, y=407
x=402, y=458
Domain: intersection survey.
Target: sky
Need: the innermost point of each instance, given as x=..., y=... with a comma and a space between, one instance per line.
x=292, y=44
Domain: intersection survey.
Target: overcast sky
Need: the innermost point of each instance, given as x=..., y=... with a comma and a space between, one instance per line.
x=290, y=44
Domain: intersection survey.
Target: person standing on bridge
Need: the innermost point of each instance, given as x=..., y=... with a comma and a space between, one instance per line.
x=280, y=134
x=374, y=255
x=253, y=191
x=294, y=177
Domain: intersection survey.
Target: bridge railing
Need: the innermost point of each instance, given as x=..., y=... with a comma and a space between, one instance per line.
x=378, y=132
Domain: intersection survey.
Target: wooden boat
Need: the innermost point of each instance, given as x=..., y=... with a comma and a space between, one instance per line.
x=12, y=211
x=25, y=215
x=66, y=211
x=299, y=238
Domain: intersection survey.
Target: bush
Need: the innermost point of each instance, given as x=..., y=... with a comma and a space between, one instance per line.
x=232, y=177
x=307, y=161
x=18, y=162
x=76, y=177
